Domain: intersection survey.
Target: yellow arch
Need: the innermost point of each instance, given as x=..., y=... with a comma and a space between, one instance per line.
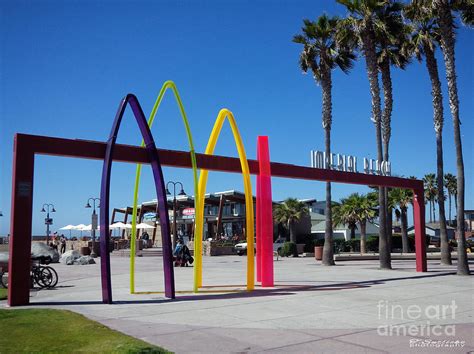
x=167, y=85
x=224, y=113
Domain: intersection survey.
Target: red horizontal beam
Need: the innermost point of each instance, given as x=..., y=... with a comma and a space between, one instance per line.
x=88, y=149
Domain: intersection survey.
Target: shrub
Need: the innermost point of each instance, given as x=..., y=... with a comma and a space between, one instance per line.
x=372, y=244
x=340, y=245
x=353, y=245
x=309, y=243
x=319, y=242
x=289, y=249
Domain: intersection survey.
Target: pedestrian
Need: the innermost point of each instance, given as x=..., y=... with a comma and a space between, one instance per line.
x=63, y=244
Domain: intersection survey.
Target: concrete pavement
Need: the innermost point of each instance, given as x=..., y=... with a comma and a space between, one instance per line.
x=353, y=306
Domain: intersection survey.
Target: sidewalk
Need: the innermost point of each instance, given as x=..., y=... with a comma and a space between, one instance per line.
x=352, y=307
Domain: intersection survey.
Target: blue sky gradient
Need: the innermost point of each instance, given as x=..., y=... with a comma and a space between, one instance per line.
x=65, y=65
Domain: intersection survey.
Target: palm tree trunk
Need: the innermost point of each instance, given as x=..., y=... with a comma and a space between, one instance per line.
x=386, y=134
x=436, y=92
x=326, y=84
x=447, y=45
x=363, y=228
x=449, y=203
x=404, y=225
x=291, y=227
x=353, y=232
x=431, y=211
x=372, y=73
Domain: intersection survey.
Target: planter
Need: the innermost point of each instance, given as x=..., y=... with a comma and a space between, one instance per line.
x=318, y=253
x=85, y=251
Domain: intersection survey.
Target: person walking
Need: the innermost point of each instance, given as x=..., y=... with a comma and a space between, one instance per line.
x=63, y=244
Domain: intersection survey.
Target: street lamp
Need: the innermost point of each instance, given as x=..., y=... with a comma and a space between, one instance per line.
x=48, y=221
x=94, y=222
x=175, y=233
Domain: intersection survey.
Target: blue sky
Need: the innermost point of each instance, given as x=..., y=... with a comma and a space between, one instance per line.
x=65, y=65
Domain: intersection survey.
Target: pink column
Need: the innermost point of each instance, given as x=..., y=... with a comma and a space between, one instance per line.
x=419, y=221
x=258, y=233
x=264, y=210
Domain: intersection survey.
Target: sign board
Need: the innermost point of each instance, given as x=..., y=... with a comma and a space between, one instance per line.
x=48, y=221
x=189, y=211
x=348, y=163
x=24, y=189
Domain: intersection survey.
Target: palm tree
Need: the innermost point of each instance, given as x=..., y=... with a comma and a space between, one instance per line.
x=362, y=25
x=345, y=214
x=423, y=43
x=431, y=191
x=289, y=212
x=353, y=210
x=445, y=11
x=391, y=38
x=321, y=53
x=451, y=186
x=403, y=198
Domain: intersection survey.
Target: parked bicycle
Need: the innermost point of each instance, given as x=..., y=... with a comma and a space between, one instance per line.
x=44, y=276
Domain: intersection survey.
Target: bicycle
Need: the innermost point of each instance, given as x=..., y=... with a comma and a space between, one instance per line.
x=41, y=275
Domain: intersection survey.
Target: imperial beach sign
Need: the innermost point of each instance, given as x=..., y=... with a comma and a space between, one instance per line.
x=348, y=163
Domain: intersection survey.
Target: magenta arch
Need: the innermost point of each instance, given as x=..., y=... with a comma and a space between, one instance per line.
x=160, y=192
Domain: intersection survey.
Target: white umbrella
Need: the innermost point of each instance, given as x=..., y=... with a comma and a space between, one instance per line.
x=89, y=228
x=143, y=225
x=118, y=225
x=79, y=227
x=68, y=227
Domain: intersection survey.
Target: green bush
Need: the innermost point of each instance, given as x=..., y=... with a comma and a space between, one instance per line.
x=372, y=244
x=353, y=245
x=309, y=243
x=397, y=243
x=340, y=245
x=289, y=249
x=319, y=242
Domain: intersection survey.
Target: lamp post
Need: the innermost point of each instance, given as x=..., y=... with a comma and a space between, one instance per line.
x=94, y=222
x=175, y=234
x=48, y=221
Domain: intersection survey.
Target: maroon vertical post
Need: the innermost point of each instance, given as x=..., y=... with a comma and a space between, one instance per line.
x=20, y=224
x=419, y=221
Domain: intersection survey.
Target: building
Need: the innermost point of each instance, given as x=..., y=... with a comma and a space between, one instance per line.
x=469, y=222
x=224, y=214
x=433, y=229
x=343, y=231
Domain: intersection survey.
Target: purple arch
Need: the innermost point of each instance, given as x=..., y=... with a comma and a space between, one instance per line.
x=160, y=191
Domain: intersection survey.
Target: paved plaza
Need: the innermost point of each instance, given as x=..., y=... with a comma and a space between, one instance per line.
x=352, y=307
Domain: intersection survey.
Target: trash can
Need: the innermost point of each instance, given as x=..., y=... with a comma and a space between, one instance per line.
x=318, y=253
x=85, y=251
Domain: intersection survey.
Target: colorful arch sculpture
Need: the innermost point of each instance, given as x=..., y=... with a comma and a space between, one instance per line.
x=224, y=113
x=149, y=143
x=167, y=85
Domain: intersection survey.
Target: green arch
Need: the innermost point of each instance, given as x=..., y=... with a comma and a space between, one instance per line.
x=167, y=85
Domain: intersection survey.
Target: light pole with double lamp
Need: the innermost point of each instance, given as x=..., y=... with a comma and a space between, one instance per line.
x=48, y=221
x=94, y=221
x=175, y=233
